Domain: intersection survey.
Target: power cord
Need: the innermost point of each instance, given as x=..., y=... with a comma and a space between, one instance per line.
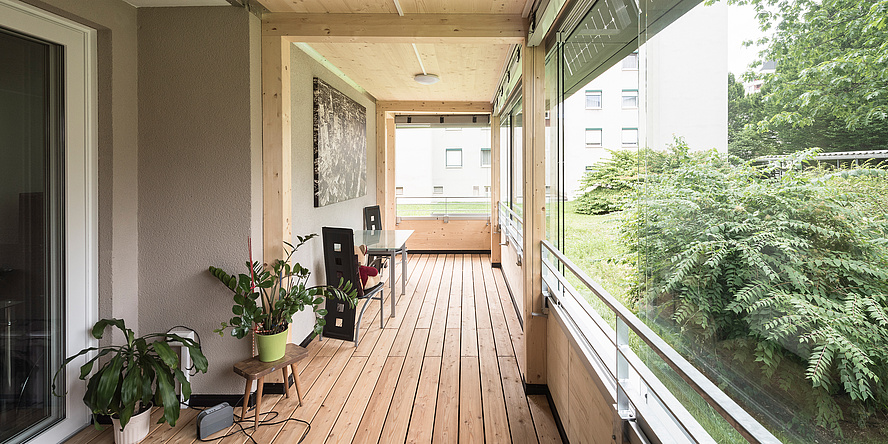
x=270, y=416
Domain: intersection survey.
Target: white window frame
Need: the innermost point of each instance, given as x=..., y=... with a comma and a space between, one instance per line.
x=489, y=157
x=632, y=93
x=623, y=137
x=447, y=152
x=631, y=67
x=593, y=92
x=438, y=189
x=81, y=194
x=600, y=137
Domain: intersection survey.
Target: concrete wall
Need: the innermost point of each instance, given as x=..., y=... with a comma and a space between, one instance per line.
x=118, y=114
x=306, y=218
x=199, y=175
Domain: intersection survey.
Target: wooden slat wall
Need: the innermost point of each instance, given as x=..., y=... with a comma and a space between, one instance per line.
x=466, y=235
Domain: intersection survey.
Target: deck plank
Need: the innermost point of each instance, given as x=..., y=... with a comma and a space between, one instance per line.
x=447, y=408
x=469, y=343
x=497, y=316
x=471, y=417
x=373, y=420
x=422, y=420
x=395, y=429
x=438, y=326
x=520, y=421
x=496, y=423
x=543, y=420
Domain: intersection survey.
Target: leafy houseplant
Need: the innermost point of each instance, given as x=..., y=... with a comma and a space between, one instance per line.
x=266, y=299
x=144, y=370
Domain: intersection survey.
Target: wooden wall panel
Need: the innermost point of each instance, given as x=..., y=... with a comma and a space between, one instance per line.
x=557, y=365
x=514, y=274
x=454, y=235
x=590, y=415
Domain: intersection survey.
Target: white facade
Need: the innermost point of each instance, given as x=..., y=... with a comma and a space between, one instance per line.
x=681, y=85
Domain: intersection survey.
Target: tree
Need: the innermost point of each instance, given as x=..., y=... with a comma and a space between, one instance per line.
x=744, y=111
x=832, y=60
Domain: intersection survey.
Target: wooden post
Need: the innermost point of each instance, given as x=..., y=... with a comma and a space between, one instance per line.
x=534, y=192
x=276, y=149
x=388, y=218
x=495, y=235
x=381, y=141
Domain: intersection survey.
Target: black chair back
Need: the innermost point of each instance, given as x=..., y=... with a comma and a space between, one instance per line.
x=340, y=264
x=372, y=218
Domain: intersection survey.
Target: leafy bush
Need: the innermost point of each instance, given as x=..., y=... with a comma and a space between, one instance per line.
x=782, y=255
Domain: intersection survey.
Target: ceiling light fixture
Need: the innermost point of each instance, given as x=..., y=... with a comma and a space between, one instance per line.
x=425, y=78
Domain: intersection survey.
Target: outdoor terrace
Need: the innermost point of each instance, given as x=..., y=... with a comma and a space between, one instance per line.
x=445, y=369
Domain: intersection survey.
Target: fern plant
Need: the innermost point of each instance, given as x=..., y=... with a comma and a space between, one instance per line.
x=780, y=254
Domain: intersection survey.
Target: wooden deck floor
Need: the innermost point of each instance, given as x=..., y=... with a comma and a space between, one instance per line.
x=444, y=370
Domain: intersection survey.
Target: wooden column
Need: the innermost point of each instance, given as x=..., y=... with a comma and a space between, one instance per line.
x=388, y=210
x=276, y=149
x=495, y=236
x=534, y=192
x=385, y=166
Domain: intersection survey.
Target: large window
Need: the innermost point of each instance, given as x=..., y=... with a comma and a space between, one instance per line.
x=630, y=137
x=440, y=163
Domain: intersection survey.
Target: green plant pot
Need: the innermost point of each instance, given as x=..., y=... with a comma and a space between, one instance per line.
x=272, y=347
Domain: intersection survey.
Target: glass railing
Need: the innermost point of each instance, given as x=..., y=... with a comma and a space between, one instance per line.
x=443, y=207
x=656, y=391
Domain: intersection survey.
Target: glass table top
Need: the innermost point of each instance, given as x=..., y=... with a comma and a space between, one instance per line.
x=382, y=239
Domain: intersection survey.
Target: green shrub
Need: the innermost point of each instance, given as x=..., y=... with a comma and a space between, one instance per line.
x=788, y=257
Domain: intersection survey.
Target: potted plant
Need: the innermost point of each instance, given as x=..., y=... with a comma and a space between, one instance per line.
x=133, y=376
x=266, y=300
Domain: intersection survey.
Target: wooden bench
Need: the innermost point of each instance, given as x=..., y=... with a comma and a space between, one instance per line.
x=253, y=369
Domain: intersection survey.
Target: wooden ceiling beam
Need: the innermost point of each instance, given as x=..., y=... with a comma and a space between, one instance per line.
x=391, y=28
x=433, y=107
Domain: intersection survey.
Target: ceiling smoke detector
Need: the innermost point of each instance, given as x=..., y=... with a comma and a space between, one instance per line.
x=426, y=79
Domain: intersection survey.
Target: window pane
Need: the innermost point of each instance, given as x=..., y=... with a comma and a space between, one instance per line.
x=593, y=137
x=593, y=99
x=630, y=136
x=630, y=99
x=631, y=61
x=454, y=158
x=485, y=157
x=30, y=287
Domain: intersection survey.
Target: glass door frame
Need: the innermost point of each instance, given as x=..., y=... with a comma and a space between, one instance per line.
x=80, y=211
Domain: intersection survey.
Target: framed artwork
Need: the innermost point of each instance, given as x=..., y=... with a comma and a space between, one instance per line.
x=340, y=146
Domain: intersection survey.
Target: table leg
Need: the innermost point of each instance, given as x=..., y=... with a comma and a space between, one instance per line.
x=392, y=277
x=297, y=382
x=258, y=402
x=404, y=270
x=286, y=381
x=246, y=400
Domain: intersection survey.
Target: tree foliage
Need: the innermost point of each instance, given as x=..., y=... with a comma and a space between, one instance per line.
x=788, y=257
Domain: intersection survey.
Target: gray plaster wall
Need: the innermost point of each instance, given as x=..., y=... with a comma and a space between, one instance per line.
x=116, y=24
x=307, y=218
x=199, y=172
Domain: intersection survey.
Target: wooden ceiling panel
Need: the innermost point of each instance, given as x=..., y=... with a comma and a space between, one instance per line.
x=511, y=7
x=468, y=72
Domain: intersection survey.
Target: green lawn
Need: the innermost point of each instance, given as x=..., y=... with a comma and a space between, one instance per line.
x=407, y=210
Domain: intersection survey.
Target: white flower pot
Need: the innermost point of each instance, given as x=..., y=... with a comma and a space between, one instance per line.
x=136, y=429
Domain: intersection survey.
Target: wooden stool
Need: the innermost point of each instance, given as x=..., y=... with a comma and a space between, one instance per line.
x=253, y=369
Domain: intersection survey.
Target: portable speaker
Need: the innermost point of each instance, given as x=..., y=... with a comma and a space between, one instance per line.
x=216, y=418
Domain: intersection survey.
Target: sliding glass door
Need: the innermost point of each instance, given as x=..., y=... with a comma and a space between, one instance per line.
x=47, y=221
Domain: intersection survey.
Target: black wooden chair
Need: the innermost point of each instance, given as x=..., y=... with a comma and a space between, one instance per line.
x=341, y=265
x=372, y=218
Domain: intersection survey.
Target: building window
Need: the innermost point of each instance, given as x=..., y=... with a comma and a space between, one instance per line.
x=476, y=190
x=593, y=137
x=487, y=190
x=453, y=158
x=630, y=136
x=593, y=99
x=438, y=190
x=631, y=61
x=485, y=157
x=399, y=190
x=630, y=98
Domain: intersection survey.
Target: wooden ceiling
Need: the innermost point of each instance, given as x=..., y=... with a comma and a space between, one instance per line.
x=469, y=64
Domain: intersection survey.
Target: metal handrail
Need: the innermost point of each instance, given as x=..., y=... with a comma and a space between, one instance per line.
x=511, y=213
x=735, y=415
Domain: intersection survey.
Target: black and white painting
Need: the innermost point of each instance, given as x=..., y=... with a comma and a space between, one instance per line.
x=340, y=146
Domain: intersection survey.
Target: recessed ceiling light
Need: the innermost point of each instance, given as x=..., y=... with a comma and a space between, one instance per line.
x=426, y=79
